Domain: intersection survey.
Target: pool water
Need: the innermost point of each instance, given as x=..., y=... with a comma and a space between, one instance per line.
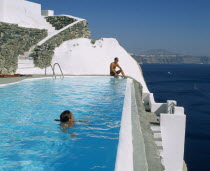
x=30, y=139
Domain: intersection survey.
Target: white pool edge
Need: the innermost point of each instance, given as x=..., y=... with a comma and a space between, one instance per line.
x=28, y=79
x=47, y=77
x=124, y=160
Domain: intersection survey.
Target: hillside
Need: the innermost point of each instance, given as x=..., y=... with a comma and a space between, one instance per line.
x=160, y=56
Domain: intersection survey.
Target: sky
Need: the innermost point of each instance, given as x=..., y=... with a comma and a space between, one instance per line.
x=181, y=26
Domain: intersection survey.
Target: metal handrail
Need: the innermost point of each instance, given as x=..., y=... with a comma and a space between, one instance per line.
x=62, y=76
x=53, y=70
x=53, y=76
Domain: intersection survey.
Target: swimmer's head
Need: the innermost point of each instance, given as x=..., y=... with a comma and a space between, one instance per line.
x=65, y=116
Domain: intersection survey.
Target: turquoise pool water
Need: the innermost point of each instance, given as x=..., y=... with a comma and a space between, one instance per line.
x=30, y=139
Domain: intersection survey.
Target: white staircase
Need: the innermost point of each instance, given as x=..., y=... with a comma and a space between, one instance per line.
x=158, y=140
x=26, y=64
x=48, y=26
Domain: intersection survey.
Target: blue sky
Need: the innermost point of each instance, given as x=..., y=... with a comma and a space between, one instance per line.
x=177, y=25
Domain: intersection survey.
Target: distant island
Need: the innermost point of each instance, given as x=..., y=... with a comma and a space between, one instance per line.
x=161, y=56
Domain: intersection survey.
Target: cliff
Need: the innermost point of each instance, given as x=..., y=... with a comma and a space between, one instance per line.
x=159, y=56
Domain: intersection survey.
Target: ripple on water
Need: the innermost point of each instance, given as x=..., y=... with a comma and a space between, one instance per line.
x=32, y=140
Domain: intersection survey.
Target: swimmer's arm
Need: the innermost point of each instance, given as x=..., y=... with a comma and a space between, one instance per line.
x=86, y=122
x=82, y=121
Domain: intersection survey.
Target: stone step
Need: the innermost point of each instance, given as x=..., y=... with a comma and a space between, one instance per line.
x=27, y=67
x=157, y=135
x=160, y=151
x=162, y=161
x=158, y=143
x=25, y=58
x=49, y=27
x=22, y=61
x=158, y=139
x=23, y=65
x=155, y=128
x=156, y=132
x=33, y=70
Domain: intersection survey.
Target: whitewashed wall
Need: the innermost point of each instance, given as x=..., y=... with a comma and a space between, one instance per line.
x=16, y=11
x=173, y=140
x=23, y=13
x=2, y=9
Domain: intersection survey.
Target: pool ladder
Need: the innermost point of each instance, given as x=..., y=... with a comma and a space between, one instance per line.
x=53, y=70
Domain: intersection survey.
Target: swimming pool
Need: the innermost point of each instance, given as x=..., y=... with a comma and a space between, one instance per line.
x=32, y=140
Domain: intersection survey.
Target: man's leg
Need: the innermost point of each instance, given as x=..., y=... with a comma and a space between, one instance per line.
x=120, y=71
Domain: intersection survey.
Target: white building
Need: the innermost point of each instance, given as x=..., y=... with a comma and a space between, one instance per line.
x=24, y=13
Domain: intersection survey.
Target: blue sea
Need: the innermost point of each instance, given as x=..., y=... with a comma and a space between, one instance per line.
x=189, y=85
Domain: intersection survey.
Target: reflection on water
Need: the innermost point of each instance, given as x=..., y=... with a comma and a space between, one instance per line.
x=32, y=140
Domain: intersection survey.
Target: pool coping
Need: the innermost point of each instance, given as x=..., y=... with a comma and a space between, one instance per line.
x=137, y=149
x=124, y=159
x=15, y=80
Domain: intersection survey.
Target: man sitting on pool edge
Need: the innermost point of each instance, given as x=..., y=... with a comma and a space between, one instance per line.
x=113, y=66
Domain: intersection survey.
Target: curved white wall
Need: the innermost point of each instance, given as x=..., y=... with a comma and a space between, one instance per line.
x=81, y=57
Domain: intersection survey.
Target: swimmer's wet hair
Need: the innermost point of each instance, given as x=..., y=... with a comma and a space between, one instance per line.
x=65, y=116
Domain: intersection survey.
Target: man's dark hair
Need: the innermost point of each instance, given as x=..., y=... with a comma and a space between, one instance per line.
x=116, y=58
x=65, y=116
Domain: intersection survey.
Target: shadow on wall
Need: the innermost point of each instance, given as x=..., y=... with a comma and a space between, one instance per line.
x=152, y=106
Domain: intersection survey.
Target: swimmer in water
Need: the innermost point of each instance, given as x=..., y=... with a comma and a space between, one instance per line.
x=67, y=116
x=67, y=121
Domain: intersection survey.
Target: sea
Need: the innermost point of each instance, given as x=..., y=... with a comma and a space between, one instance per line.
x=189, y=85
